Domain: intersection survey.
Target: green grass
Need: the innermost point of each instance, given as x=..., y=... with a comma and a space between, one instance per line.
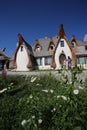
x=42, y=103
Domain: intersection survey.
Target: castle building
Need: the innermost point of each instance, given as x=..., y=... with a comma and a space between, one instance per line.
x=49, y=53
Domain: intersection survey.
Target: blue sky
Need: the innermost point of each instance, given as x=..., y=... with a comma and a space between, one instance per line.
x=36, y=19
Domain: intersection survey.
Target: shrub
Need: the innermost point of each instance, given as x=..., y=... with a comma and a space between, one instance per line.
x=42, y=103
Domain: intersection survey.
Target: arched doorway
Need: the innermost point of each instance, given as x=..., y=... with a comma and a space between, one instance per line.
x=62, y=57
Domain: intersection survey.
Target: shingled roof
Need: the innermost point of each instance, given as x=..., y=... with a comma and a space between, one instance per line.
x=44, y=44
x=3, y=55
x=82, y=50
x=46, y=41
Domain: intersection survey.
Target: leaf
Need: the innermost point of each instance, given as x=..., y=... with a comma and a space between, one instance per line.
x=77, y=128
x=79, y=119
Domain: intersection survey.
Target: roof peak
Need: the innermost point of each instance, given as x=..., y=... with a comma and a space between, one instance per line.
x=73, y=38
x=20, y=38
x=61, y=31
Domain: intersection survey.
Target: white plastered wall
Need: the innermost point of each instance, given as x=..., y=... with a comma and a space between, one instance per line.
x=65, y=50
x=22, y=59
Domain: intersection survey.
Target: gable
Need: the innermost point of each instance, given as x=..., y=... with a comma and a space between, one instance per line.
x=23, y=48
x=63, y=46
x=51, y=45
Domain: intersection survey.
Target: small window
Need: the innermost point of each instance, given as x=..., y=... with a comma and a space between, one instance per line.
x=48, y=60
x=81, y=60
x=73, y=44
x=86, y=48
x=21, y=48
x=39, y=61
x=62, y=43
x=51, y=46
x=37, y=48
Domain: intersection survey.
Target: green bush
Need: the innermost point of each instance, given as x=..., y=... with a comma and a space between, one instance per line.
x=42, y=103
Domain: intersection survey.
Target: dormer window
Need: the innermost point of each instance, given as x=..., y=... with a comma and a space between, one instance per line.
x=73, y=44
x=37, y=47
x=73, y=41
x=51, y=46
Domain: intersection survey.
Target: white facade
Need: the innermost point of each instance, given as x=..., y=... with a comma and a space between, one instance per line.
x=62, y=50
x=22, y=59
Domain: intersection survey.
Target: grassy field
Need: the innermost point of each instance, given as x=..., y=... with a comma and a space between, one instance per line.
x=43, y=103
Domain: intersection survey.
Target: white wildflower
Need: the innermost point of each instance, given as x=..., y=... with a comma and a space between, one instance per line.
x=11, y=84
x=64, y=97
x=51, y=91
x=58, y=96
x=75, y=91
x=33, y=117
x=3, y=90
x=68, y=98
x=37, y=84
x=31, y=96
x=53, y=110
x=70, y=82
x=40, y=121
x=23, y=122
x=46, y=91
x=33, y=79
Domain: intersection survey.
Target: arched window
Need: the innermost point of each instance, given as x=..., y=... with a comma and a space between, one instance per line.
x=73, y=44
x=37, y=47
x=21, y=48
x=51, y=46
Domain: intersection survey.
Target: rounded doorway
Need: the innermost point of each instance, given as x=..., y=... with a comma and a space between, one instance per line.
x=62, y=57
